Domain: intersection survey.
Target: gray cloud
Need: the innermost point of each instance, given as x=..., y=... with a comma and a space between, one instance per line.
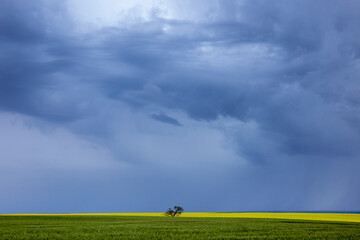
x=266, y=94
x=166, y=119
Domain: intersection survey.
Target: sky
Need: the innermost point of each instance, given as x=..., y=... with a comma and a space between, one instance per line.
x=137, y=106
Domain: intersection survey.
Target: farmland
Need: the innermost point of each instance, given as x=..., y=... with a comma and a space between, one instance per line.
x=189, y=226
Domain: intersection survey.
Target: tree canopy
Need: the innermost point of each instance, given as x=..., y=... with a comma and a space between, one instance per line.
x=173, y=212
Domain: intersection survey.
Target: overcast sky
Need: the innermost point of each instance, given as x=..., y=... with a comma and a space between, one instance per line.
x=135, y=106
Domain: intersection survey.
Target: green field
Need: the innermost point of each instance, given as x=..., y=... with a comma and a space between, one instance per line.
x=135, y=227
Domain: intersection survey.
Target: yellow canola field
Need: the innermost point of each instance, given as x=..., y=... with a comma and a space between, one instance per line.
x=343, y=217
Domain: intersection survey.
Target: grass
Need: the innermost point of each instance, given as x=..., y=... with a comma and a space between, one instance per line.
x=140, y=227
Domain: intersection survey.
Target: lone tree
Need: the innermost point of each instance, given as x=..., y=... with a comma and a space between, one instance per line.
x=173, y=212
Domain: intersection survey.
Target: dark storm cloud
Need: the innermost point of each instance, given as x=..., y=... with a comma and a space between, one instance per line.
x=166, y=119
x=280, y=80
x=299, y=32
x=313, y=60
x=27, y=62
x=298, y=104
x=21, y=21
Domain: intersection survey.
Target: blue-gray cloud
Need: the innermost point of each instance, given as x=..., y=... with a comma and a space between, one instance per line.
x=275, y=84
x=166, y=119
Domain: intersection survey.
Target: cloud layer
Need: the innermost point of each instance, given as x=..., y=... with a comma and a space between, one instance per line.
x=214, y=105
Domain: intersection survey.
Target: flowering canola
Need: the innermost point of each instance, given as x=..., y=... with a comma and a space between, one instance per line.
x=343, y=217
